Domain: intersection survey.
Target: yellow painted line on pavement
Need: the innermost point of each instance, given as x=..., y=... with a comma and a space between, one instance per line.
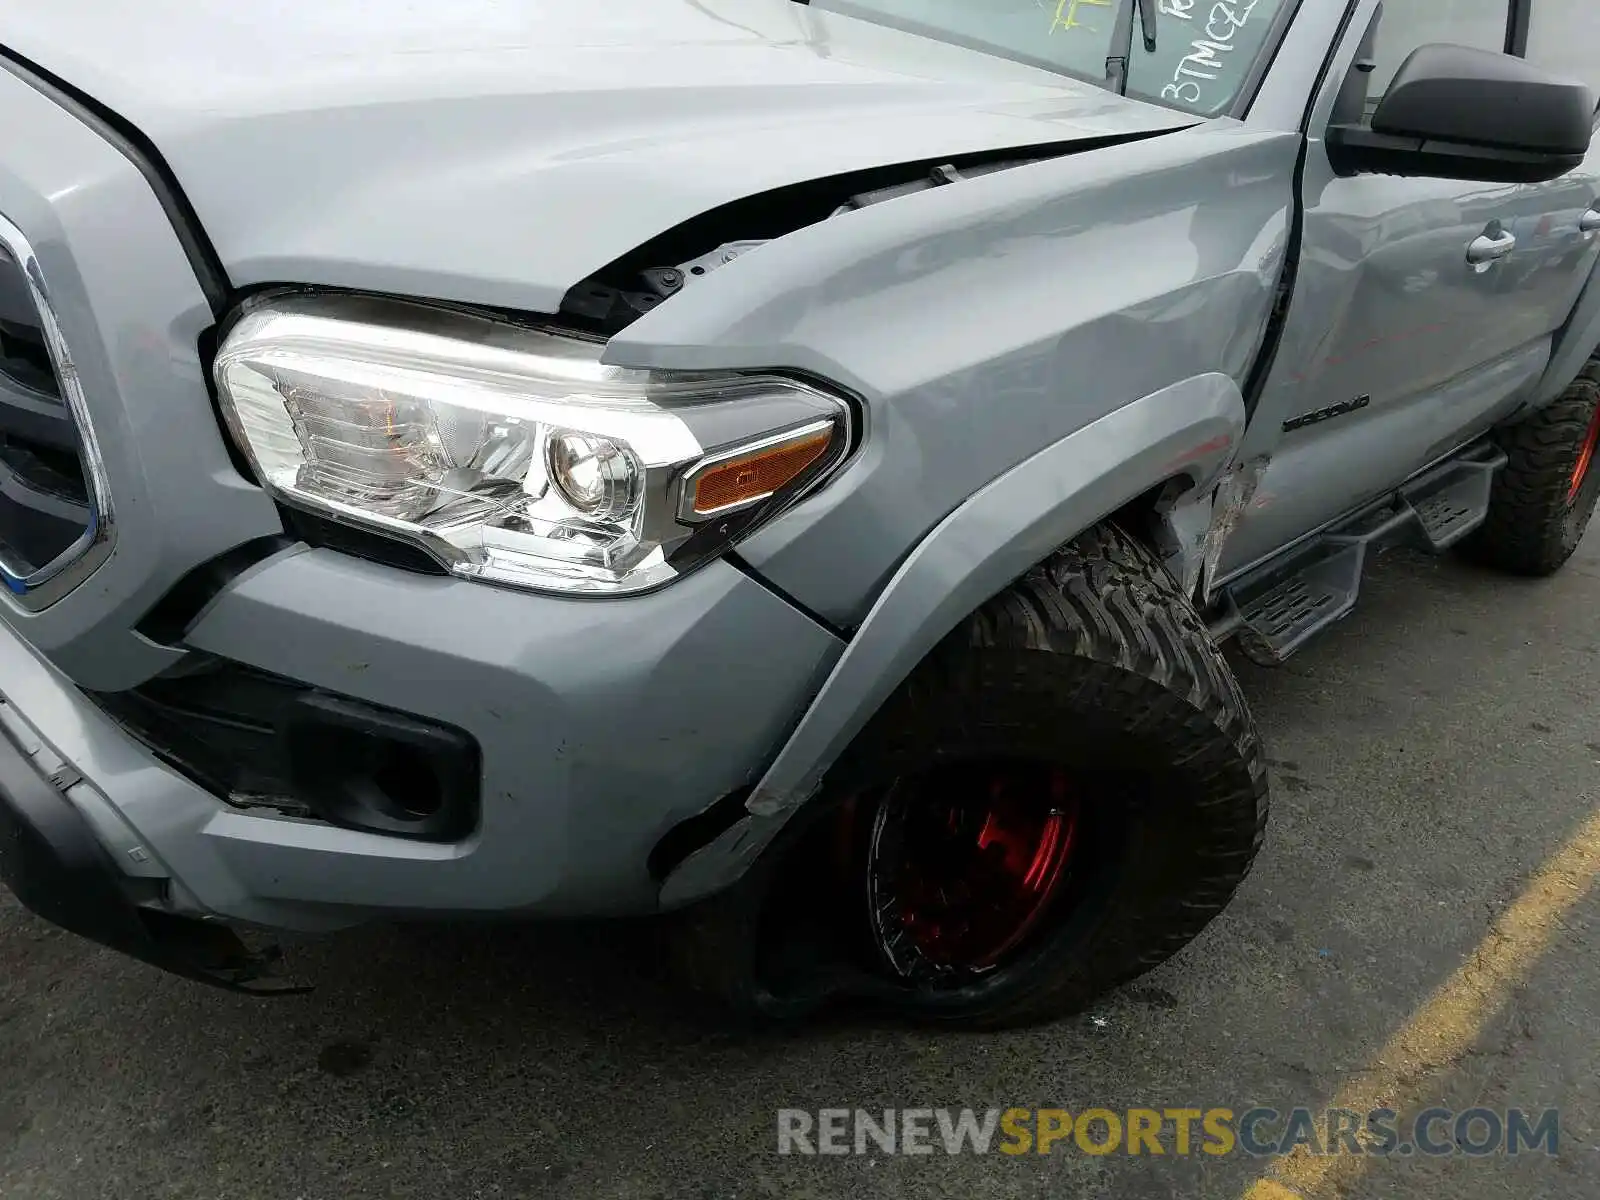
x=1444, y=1028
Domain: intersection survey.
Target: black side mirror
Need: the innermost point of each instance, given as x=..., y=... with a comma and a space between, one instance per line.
x=1453, y=112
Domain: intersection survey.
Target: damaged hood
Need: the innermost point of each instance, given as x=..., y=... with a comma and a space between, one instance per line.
x=500, y=151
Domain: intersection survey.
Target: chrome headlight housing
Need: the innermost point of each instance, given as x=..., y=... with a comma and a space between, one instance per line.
x=508, y=452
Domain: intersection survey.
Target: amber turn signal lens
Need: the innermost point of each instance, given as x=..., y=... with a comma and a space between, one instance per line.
x=758, y=474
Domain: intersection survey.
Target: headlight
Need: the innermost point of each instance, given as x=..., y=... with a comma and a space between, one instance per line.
x=510, y=453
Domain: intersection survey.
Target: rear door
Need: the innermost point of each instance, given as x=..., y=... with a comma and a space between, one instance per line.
x=1398, y=347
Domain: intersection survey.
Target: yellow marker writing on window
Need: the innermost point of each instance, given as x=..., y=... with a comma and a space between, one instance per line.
x=1067, y=13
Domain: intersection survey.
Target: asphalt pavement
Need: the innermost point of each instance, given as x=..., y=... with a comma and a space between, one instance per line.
x=1431, y=756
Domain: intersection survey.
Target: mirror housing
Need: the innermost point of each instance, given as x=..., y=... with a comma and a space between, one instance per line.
x=1453, y=112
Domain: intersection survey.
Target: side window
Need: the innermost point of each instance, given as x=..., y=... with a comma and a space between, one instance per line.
x=1407, y=24
x=1564, y=38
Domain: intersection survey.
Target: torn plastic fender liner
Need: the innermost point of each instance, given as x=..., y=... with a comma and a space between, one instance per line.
x=1235, y=492
x=996, y=535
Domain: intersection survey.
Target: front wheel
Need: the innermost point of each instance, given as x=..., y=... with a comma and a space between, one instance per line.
x=1061, y=796
x=1543, y=500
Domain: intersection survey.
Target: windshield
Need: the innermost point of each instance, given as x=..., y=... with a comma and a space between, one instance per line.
x=1203, y=55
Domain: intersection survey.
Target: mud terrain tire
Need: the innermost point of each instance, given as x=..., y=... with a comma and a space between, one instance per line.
x=1545, y=496
x=1095, y=662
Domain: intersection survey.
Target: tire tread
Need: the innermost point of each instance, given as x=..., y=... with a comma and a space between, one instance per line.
x=1530, y=529
x=1101, y=630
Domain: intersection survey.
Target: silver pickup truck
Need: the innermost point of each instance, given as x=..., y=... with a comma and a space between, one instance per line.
x=787, y=467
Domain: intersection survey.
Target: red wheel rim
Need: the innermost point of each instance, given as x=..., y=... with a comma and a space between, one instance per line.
x=1586, y=456
x=963, y=867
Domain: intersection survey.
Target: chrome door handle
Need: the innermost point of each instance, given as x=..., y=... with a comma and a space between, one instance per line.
x=1490, y=248
x=1590, y=221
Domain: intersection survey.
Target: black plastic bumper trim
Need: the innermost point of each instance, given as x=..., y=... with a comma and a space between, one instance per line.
x=52, y=861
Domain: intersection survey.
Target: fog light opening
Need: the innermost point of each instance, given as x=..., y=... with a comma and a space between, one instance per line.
x=374, y=769
x=407, y=781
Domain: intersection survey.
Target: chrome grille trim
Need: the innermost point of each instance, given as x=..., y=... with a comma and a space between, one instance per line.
x=39, y=587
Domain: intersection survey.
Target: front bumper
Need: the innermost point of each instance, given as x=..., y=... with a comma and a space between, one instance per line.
x=57, y=867
x=601, y=725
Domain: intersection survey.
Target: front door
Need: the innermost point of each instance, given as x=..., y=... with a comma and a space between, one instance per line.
x=1398, y=347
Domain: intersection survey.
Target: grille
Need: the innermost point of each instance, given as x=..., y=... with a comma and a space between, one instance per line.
x=50, y=512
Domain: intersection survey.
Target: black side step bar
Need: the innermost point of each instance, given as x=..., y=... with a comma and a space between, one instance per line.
x=1277, y=608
